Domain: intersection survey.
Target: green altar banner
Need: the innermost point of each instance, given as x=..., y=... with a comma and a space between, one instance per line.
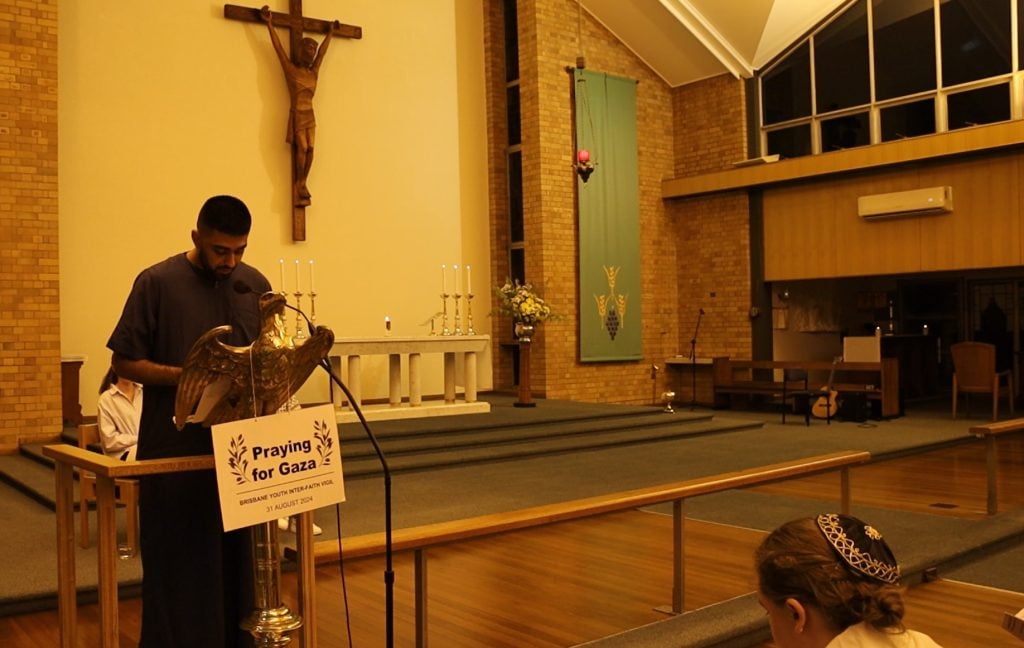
x=609, y=218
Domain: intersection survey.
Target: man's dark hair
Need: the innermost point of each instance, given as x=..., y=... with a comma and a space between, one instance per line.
x=225, y=214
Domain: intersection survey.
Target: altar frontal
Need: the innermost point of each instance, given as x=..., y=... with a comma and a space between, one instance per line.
x=279, y=465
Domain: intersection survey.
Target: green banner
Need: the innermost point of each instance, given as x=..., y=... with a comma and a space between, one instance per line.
x=609, y=217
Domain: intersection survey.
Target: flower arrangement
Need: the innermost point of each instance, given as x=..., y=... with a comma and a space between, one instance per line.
x=522, y=303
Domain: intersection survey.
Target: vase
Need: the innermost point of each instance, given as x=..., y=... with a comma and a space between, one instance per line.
x=524, y=333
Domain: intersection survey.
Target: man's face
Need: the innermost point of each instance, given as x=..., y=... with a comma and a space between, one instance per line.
x=219, y=253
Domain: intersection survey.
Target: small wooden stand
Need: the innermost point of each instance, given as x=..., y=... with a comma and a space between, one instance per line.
x=524, y=375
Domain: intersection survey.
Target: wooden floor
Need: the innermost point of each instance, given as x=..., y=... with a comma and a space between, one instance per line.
x=578, y=581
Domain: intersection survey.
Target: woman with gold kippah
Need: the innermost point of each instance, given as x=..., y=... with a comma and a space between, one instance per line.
x=832, y=582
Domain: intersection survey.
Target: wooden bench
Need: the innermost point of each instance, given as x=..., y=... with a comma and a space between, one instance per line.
x=419, y=539
x=876, y=380
x=989, y=432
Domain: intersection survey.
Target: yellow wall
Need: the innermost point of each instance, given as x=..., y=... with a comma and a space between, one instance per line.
x=163, y=104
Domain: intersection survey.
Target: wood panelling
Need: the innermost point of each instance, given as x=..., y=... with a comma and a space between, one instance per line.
x=812, y=230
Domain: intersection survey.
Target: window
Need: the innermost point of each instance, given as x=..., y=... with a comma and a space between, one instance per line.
x=889, y=69
x=981, y=106
x=515, y=196
x=787, y=88
x=511, y=41
x=512, y=115
x=841, y=78
x=975, y=40
x=904, y=47
x=791, y=142
x=845, y=132
x=908, y=120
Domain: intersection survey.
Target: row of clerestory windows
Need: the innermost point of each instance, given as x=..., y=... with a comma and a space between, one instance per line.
x=882, y=70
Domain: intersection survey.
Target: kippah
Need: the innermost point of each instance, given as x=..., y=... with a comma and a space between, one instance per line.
x=860, y=546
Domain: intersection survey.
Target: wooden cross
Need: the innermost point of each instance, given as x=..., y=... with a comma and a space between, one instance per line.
x=297, y=25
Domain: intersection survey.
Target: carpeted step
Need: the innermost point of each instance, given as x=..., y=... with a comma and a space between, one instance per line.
x=736, y=623
x=32, y=478
x=429, y=440
x=503, y=416
x=367, y=464
x=34, y=452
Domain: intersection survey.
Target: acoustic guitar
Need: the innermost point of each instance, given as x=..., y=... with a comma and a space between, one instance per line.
x=826, y=406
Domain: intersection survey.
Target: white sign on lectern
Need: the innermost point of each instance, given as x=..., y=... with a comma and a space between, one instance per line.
x=279, y=465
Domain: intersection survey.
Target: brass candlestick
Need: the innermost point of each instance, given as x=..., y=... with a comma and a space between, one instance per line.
x=312, y=308
x=469, y=314
x=458, y=321
x=444, y=314
x=300, y=332
x=284, y=320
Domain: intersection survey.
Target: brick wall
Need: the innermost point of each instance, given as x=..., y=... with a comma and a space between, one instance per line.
x=713, y=232
x=709, y=120
x=713, y=238
x=29, y=280
x=548, y=44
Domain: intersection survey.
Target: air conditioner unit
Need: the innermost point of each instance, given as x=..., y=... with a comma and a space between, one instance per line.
x=933, y=200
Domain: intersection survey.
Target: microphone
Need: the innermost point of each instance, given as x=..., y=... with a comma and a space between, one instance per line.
x=701, y=310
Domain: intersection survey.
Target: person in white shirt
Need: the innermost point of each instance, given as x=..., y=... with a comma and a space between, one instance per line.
x=118, y=412
x=832, y=582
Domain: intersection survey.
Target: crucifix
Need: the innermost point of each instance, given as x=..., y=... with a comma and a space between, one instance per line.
x=301, y=70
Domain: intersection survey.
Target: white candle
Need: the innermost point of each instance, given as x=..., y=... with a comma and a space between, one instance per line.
x=469, y=280
x=444, y=281
x=311, y=276
x=281, y=261
x=455, y=275
x=296, y=275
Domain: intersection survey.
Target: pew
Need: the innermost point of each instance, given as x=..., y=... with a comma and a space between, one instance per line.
x=876, y=380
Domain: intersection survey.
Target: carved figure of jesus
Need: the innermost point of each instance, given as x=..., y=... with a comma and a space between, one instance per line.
x=302, y=79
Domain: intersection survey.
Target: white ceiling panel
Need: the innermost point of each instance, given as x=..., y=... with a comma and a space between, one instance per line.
x=688, y=40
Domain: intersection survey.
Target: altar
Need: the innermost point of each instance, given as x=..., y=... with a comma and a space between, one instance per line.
x=459, y=352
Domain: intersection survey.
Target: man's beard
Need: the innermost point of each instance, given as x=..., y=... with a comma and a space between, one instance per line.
x=220, y=272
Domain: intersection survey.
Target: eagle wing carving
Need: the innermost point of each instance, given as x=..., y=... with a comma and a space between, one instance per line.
x=221, y=383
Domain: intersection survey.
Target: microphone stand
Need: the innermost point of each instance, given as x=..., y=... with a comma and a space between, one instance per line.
x=389, y=572
x=693, y=362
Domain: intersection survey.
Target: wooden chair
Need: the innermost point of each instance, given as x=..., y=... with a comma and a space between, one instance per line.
x=794, y=388
x=974, y=372
x=125, y=490
x=821, y=401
